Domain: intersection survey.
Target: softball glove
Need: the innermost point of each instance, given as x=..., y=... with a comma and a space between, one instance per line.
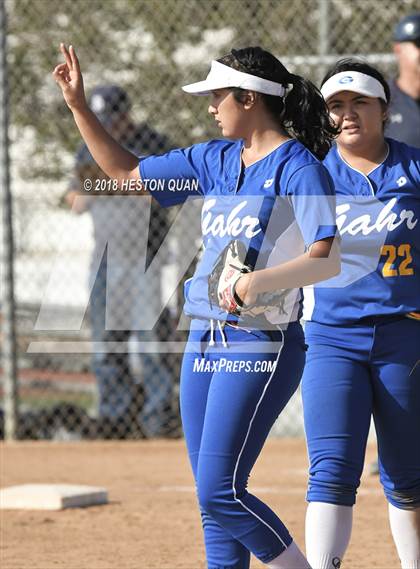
x=228, y=269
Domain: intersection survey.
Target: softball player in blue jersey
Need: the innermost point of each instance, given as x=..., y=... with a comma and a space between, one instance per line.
x=238, y=373
x=363, y=326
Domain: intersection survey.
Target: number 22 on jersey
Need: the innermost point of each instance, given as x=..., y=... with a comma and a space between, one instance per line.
x=401, y=255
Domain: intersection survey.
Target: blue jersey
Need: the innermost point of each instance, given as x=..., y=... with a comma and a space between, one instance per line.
x=377, y=217
x=276, y=207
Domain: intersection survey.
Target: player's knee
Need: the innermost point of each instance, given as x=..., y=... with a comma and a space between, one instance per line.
x=334, y=480
x=212, y=502
x=332, y=493
x=214, y=498
x=406, y=499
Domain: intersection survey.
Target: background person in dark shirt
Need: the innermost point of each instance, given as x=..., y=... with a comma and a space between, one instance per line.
x=404, y=113
x=128, y=405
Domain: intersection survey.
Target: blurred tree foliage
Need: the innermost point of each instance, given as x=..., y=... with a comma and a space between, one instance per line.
x=151, y=47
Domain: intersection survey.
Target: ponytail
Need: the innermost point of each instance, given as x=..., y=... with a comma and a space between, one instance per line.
x=305, y=116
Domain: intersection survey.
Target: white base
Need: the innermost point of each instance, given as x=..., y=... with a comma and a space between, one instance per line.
x=51, y=497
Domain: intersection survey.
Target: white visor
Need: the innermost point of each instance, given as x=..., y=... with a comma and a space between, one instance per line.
x=222, y=76
x=353, y=81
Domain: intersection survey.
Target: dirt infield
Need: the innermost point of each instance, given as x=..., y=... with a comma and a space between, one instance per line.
x=152, y=521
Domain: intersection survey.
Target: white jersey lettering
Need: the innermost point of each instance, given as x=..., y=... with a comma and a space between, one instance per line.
x=232, y=226
x=386, y=219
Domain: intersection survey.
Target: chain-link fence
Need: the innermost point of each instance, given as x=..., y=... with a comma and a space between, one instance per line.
x=83, y=372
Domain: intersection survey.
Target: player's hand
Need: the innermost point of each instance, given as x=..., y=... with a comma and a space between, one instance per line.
x=69, y=77
x=243, y=290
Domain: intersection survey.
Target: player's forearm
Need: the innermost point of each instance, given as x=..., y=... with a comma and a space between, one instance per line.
x=304, y=270
x=117, y=162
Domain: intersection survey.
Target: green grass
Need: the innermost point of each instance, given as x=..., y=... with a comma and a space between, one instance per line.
x=45, y=399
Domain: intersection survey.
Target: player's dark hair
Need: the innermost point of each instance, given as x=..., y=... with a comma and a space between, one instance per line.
x=350, y=64
x=302, y=113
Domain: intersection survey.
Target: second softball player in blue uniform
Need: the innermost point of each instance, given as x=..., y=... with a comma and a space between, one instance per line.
x=239, y=370
x=364, y=326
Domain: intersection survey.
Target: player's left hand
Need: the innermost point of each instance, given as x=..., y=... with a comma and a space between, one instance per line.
x=244, y=291
x=231, y=281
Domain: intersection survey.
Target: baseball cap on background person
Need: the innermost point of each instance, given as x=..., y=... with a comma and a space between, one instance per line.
x=404, y=112
x=108, y=102
x=408, y=29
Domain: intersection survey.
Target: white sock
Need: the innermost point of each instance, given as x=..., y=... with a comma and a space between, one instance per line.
x=291, y=558
x=405, y=528
x=327, y=534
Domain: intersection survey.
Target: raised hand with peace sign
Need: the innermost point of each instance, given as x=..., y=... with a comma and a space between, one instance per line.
x=112, y=158
x=69, y=77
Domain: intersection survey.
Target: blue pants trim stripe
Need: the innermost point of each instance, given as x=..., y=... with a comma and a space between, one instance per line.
x=246, y=440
